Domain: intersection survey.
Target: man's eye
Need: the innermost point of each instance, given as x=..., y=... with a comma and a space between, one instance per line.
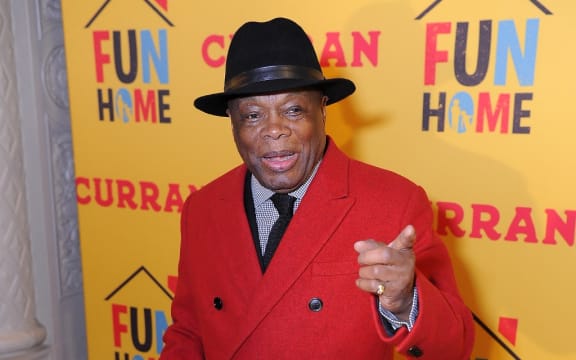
x=294, y=111
x=252, y=116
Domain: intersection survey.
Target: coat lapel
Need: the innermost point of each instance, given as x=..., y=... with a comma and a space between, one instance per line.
x=241, y=265
x=323, y=208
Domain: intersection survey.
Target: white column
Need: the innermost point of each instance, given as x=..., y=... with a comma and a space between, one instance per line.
x=19, y=329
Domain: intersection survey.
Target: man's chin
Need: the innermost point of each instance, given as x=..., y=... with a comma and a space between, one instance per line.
x=281, y=184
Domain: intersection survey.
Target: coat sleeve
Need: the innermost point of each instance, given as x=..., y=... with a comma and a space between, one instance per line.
x=182, y=339
x=444, y=326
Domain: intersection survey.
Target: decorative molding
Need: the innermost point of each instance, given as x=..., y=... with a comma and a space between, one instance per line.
x=66, y=213
x=19, y=329
x=53, y=73
x=50, y=14
x=55, y=77
x=40, y=71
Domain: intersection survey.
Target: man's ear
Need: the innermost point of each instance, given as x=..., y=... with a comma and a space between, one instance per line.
x=324, y=102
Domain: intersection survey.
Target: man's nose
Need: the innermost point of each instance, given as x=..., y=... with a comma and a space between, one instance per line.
x=276, y=125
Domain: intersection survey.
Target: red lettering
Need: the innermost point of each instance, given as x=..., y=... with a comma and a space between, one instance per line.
x=149, y=194
x=364, y=45
x=522, y=224
x=98, y=195
x=368, y=48
x=118, y=326
x=555, y=224
x=126, y=192
x=142, y=195
x=99, y=57
x=172, y=283
x=86, y=183
x=432, y=55
x=486, y=223
x=450, y=215
x=502, y=111
x=147, y=107
x=174, y=198
x=332, y=50
x=217, y=40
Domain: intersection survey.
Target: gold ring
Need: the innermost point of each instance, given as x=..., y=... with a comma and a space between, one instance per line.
x=380, y=289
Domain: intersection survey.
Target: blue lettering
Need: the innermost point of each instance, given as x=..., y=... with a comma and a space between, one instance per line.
x=161, y=326
x=523, y=63
x=123, y=106
x=461, y=112
x=157, y=56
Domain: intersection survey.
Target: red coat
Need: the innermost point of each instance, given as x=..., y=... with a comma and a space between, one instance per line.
x=224, y=308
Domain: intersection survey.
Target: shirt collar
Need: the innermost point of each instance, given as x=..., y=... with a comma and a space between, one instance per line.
x=261, y=193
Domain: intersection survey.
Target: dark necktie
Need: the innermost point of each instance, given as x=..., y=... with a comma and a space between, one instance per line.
x=284, y=203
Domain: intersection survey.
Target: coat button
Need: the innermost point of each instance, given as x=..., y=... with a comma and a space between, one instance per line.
x=415, y=351
x=218, y=303
x=315, y=304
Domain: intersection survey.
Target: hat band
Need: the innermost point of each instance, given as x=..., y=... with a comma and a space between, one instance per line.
x=273, y=72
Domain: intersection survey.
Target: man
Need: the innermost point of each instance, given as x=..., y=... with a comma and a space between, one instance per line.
x=358, y=271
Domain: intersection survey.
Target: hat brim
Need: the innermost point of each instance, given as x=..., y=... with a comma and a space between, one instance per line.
x=216, y=104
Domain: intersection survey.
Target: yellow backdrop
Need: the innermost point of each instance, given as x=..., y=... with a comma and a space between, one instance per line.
x=471, y=99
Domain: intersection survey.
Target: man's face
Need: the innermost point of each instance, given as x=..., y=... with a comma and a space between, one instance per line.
x=280, y=136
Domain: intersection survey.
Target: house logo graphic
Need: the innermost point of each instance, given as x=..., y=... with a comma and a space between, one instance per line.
x=138, y=316
x=507, y=327
x=494, y=91
x=131, y=62
x=435, y=3
x=160, y=7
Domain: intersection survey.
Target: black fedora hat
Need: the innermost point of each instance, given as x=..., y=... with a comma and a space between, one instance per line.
x=271, y=56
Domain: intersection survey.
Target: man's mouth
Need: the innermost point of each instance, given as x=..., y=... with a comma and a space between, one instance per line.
x=279, y=161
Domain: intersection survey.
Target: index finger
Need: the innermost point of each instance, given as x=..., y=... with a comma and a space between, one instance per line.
x=374, y=253
x=365, y=245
